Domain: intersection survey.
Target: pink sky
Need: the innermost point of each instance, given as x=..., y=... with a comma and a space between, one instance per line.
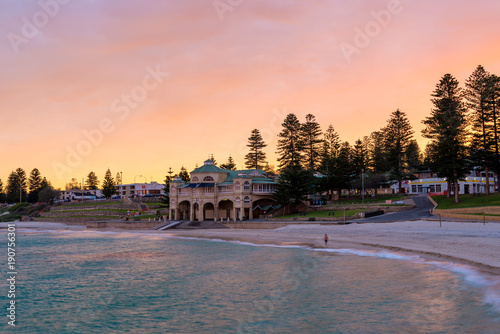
x=226, y=76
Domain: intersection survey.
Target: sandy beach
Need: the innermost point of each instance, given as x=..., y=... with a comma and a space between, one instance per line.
x=465, y=242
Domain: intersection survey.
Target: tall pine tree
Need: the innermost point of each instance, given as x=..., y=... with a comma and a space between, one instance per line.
x=290, y=143
x=108, y=185
x=230, y=164
x=477, y=93
x=92, y=183
x=184, y=175
x=494, y=105
x=17, y=186
x=312, y=142
x=447, y=129
x=398, y=135
x=34, y=185
x=256, y=158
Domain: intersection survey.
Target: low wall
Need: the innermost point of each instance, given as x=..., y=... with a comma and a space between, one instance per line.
x=268, y=225
x=122, y=224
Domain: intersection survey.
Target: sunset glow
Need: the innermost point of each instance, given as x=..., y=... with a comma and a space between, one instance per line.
x=143, y=86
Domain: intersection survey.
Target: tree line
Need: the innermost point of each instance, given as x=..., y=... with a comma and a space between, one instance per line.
x=35, y=188
x=463, y=129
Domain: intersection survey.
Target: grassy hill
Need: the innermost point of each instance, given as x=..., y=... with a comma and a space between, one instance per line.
x=467, y=201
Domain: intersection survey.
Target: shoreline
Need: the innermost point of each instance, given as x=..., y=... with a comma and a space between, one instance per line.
x=473, y=244
x=334, y=243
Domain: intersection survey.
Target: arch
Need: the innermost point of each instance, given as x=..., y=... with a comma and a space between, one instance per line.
x=226, y=209
x=194, y=179
x=196, y=209
x=208, y=212
x=246, y=186
x=184, y=210
x=246, y=200
x=237, y=186
x=208, y=178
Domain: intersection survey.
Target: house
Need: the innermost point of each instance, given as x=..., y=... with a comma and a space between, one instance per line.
x=140, y=189
x=215, y=193
x=79, y=195
x=474, y=183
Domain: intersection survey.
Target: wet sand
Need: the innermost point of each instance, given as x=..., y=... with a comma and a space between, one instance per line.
x=465, y=242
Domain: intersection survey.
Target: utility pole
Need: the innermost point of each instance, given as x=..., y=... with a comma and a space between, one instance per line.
x=363, y=186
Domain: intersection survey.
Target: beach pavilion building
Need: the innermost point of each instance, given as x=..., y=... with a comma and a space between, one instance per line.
x=215, y=193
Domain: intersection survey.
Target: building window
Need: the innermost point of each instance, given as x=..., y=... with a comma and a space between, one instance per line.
x=432, y=188
x=194, y=179
x=225, y=189
x=413, y=188
x=208, y=178
x=246, y=185
x=263, y=188
x=438, y=188
x=208, y=190
x=184, y=191
x=246, y=200
x=237, y=199
x=237, y=186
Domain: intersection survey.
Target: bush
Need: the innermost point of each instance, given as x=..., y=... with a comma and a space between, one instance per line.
x=19, y=206
x=10, y=217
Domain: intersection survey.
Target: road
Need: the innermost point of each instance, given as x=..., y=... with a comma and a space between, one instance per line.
x=422, y=210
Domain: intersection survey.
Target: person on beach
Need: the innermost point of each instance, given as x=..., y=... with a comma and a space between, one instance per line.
x=326, y=239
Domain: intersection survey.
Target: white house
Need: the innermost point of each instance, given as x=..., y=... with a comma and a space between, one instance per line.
x=473, y=184
x=140, y=189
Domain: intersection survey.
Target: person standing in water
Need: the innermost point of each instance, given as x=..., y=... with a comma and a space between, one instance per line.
x=326, y=239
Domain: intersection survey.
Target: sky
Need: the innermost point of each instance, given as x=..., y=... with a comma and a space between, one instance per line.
x=142, y=86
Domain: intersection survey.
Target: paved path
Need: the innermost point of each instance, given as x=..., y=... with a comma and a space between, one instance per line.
x=422, y=210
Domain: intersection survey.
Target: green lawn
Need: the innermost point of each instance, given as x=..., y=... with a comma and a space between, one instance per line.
x=93, y=203
x=319, y=214
x=123, y=211
x=369, y=199
x=482, y=214
x=467, y=201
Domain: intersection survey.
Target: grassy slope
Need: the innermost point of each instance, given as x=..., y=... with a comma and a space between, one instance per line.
x=467, y=201
x=369, y=199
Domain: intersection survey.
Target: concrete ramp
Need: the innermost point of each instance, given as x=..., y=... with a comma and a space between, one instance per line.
x=167, y=225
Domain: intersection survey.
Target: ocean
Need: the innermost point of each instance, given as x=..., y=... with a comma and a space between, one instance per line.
x=114, y=282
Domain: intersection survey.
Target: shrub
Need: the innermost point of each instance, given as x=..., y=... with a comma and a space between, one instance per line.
x=19, y=206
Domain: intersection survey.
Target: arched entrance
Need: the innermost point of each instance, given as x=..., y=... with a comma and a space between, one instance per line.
x=208, y=211
x=196, y=212
x=263, y=207
x=226, y=209
x=184, y=210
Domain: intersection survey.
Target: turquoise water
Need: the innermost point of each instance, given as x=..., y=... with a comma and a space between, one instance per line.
x=90, y=282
